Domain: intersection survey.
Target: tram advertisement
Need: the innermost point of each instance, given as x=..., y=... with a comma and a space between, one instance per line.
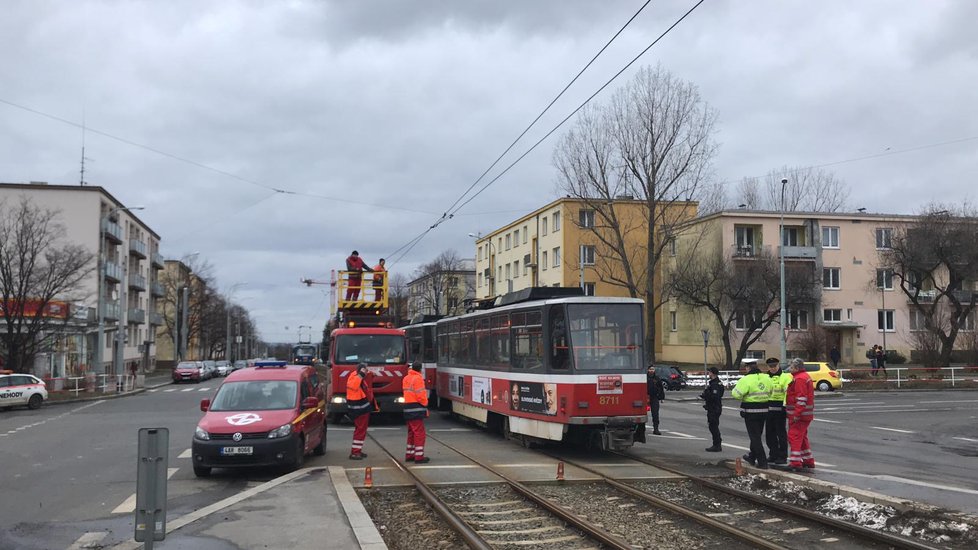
x=481, y=390
x=456, y=385
x=533, y=397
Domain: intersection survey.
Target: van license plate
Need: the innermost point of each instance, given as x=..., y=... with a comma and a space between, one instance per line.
x=228, y=451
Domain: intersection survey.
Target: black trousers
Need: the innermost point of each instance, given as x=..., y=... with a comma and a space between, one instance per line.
x=777, y=436
x=654, y=409
x=713, y=421
x=755, y=430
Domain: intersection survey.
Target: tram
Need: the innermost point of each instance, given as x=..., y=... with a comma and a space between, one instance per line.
x=421, y=343
x=305, y=354
x=548, y=364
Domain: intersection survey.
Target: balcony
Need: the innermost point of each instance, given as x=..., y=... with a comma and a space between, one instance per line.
x=137, y=281
x=113, y=272
x=962, y=296
x=112, y=231
x=157, y=260
x=157, y=289
x=136, y=316
x=748, y=251
x=799, y=252
x=137, y=248
x=111, y=311
x=155, y=319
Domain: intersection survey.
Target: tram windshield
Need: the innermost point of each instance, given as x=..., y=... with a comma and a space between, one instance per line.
x=606, y=336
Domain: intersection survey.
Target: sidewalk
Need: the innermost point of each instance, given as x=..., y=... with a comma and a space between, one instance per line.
x=152, y=380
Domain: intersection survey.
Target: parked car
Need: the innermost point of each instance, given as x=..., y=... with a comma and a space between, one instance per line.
x=270, y=415
x=239, y=364
x=211, y=368
x=672, y=378
x=205, y=373
x=823, y=376
x=186, y=371
x=21, y=389
x=223, y=368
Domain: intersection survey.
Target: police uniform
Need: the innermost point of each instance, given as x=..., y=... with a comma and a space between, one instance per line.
x=754, y=392
x=713, y=397
x=776, y=429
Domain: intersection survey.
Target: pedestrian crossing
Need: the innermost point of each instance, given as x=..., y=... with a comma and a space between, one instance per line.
x=171, y=390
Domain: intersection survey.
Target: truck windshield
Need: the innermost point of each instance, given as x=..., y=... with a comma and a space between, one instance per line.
x=606, y=336
x=372, y=349
x=256, y=395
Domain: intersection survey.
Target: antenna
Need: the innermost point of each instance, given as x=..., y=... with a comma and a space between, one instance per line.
x=82, y=178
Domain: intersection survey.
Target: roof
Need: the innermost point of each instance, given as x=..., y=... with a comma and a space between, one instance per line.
x=748, y=213
x=288, y=372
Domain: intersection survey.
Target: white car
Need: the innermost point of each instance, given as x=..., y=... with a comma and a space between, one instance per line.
x=21, y=389
x=223, y=368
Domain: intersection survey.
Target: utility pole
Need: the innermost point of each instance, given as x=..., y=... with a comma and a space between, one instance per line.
x=784, y=324
x=185, y=317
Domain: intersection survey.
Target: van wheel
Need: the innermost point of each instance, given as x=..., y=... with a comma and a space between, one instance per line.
x=202, y=471
x=320, y=450
x=824, y=386
x=35, y=401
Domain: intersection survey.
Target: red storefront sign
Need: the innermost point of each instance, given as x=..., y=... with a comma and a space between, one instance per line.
x=32, y=308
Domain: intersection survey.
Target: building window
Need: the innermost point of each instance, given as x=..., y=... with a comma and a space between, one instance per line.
x=832, y=315
x=849, y=314
x=508, y=272
x=499, y=245
x=883, y=237
x=790, y=237
x=917, y=320
x=830, y=237
x=831, y=278
x=672, y=247
x=543, y=226
x=525, y=234
x=745, y=240
x=516, y=269
x=673, y=321
x=884, y=279
x=556, y=222
x=884, y=320
x=452, y=303
x=742, y=320
x=516, y=238
x=478, y=281
x=585, y=218
x=480, y=253
x=508, y=241
x=500, y=276
x=755, y=354
x=797, y=319
x=543, y=263
x=557, y=257
x=589, y=289
x=587, y=254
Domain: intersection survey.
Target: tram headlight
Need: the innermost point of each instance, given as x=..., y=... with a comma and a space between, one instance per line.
x=339, y=399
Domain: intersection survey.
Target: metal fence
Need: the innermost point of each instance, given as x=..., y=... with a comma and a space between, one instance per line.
x=91, y=383
x=911, y=376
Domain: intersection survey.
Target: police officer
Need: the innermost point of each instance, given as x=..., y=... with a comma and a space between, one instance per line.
x=713, y=395
x=359, y=404
x=754, y=392
x=415, y=411
x=776, y=429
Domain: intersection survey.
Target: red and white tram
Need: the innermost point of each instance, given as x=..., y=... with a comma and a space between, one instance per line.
x=546, y=366
x=421, y=343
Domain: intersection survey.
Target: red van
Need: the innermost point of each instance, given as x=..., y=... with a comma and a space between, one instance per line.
x=271, y=415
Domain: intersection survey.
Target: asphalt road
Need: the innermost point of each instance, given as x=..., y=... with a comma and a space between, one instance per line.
x=916, y=445
x=69, y=469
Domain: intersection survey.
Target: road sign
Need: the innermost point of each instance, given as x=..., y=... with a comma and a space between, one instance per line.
x=706, y=336
x=151, y=485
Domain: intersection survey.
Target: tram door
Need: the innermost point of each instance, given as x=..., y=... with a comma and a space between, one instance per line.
x=558, y=339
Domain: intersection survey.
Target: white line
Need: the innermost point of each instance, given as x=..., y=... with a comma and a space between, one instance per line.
x=88, y=540
x=185, y=454
x=892, y=430
x=906, y=481
x=829, y=421
x=169, y=390
x=186, y=390
x=451, y=430
x=965, y=401
x=615, y=465
x=445, y=466
x=675, y=437
x=128, y=506
x=204, y=389
x=966, y=439
x=527, y=465
x=736, y=447
x=680, y=434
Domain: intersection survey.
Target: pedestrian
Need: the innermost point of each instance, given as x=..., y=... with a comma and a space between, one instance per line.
x=355, y=266
x=835, y=357
x=379, y=274
x=656, y=394
x=881, y=360
x=359, y=404
x=800, y=408
x=415, y=411
x=713, y=397
x=776, y=428
x=872, y=359
x=753, y=391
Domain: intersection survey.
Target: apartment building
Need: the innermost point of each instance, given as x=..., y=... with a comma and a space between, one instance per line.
x=175, y=277
x=127, y=278
x=443, y=292
x=858, y=303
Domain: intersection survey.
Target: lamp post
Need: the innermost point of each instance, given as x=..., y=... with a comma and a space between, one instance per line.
x=492, y=273
x=227, y=300
x=784, y=325
x=100, y=345
x=183, y=314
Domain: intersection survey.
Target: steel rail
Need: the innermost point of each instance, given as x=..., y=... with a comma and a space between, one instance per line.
x=468, y=534
x=590, y=530
x=859, y=530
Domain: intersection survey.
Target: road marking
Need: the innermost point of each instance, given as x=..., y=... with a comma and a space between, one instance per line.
x=966, y=439
x=964, y=401
x=88, y=540
x=169, y=390
x=526, y=465
x=852, y=408
x=446, y=466
x=451, y=430
x=687, y=436
x=829, y=421
x=907, y=481
x=616, y=465
x=682, y=438
x=892, y=430
x=128, y=506
x=186, y=390
x=736, y=447
x=62, y=415
x=204, y=389
x=185, y=454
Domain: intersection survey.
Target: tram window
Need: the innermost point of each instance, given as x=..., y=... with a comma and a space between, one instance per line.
x=559, y=349
x=483, y=346
x=443, y=345
x=500, y=340
x=454, y=341
x=464, y=343
x=527, y=336
x=606, y=336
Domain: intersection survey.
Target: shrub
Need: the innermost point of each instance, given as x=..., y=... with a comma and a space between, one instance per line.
x=894, y=357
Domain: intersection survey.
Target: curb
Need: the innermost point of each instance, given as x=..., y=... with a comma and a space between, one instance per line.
x=363, y=525
x=50, y=402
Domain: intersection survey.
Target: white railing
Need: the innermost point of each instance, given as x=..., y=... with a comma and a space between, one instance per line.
x=92, y=383
x=903, y=375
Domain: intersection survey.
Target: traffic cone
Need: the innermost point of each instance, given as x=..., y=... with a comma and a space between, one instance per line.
x=560, y=471
x=368, y=478
x=739, y=467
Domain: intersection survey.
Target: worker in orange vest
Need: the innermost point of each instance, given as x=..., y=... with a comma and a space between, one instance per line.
x=379, y=272
x=359, y=404
x=355, y=266
x=415, y=411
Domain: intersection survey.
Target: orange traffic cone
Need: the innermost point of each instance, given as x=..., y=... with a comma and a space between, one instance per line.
x=739, y=467
x=368, y=478
x=560, y=471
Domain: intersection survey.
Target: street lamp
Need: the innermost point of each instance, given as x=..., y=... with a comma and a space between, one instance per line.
x=227, y=299
x=100, y=345
x=784, y=326
x=492, y=278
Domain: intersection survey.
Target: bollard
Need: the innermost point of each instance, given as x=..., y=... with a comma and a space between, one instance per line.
x=368, y=478
x=739, y=467
x=560, y=471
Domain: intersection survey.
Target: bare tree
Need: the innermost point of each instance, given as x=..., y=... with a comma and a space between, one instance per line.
x=443, y=289
x=935, y=261
x=37, y=266
x=742, y=296
x=812, y=343
x=397, y=287
x=808, y=189
x=749, y=194
x=198, y=277
x=653, y=143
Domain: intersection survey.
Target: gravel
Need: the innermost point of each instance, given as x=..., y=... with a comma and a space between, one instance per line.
x=406, y=522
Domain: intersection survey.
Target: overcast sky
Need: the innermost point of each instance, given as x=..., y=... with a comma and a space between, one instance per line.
x=380, y=113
